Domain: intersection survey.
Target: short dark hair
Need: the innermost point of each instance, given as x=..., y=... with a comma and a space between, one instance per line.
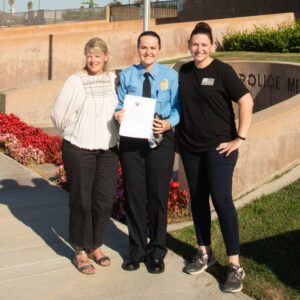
x=202, y=28
x=149, y=33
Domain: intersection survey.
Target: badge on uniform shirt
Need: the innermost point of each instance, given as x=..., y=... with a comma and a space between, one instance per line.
x=208, y=81
x=164, y=84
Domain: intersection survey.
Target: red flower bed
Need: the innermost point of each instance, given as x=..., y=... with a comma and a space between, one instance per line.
x=27, y=136
x=178, y=199
x=178, y=205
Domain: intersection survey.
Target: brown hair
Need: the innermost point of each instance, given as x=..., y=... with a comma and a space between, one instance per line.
x=202, y=28
x=149, y=33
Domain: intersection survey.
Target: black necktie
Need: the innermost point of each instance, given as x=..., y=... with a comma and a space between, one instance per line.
x=147, y=86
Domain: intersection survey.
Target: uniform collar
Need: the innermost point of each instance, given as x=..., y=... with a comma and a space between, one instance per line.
x=154, y=71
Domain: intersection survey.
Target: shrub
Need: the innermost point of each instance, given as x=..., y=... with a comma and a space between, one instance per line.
x=24, y=155
x=178, y=205
x=35, y=140
x=293, y=35
x=262, y=39
x=118, y=211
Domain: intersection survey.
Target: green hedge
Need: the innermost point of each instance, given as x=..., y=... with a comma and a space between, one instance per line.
x=262, y=39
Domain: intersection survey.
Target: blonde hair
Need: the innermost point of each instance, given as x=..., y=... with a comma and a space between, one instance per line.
x=94, y=43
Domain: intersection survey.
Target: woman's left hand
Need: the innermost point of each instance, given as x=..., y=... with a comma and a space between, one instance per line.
x=160, y=126
x=229, y=147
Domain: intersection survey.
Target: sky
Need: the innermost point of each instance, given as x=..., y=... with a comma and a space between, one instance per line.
x=21, y=5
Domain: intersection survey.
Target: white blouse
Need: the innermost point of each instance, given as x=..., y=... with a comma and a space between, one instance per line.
x=84, y=111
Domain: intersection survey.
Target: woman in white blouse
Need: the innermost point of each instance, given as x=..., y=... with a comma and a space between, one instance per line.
x=83, y=112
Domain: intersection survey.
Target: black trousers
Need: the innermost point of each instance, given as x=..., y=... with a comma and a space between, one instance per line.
x=147, y=174
x=92, y=178
x=210, y=174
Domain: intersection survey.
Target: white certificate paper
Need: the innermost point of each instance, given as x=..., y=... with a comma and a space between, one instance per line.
x=138, y=117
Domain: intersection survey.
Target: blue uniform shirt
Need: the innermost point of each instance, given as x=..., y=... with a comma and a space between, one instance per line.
x=164, y=88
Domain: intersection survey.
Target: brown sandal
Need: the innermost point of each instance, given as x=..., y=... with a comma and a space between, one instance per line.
x=100, y=261
x=85, y=267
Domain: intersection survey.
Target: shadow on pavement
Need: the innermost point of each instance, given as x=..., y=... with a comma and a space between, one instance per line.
x=44, y=208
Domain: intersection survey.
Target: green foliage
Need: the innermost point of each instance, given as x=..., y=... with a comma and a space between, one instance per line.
x=91, y=3
x=294, y=38
x=138, y=2
x=114, y=3
x=283, y=39
x=29, y=5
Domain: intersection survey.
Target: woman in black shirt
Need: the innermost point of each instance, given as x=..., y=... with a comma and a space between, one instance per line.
x=208, y=143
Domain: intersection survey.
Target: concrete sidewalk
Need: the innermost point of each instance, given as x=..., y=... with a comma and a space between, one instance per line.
x=35, y=259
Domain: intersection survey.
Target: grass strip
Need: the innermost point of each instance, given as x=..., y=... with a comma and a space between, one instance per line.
x=252, y=56
x=270, y=245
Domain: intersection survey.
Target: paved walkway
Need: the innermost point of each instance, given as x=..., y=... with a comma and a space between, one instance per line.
x=35, y=259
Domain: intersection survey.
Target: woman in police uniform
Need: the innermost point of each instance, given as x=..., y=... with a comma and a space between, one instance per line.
x=148, y=164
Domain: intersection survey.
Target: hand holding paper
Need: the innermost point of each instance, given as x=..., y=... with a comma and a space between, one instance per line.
x=138, y=117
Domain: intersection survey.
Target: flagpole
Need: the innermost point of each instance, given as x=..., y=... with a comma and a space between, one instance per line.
x=146, y=15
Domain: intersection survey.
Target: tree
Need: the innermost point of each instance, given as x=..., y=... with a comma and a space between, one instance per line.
x=115, y=3
x=11, y=4
x=90, y=3
x=29, y=5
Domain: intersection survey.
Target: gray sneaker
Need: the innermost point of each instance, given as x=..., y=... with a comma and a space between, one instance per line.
x=233, y=283
x=201, y=261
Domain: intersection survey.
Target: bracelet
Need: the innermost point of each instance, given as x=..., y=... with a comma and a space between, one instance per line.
x=240, y=137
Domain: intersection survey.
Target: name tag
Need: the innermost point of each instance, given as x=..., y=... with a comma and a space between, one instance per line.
x=208, y=81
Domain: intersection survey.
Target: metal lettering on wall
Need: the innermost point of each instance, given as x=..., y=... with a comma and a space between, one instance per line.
x=271, y=81
x=269, y=89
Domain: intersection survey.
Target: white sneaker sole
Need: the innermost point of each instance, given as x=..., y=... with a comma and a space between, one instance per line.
x=234, y=291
